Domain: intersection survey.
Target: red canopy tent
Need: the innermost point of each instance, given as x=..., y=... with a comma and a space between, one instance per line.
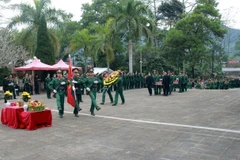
x=63, y=66
x=36, y=65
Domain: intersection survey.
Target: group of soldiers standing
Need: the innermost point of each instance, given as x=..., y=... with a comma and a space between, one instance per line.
x=222, y=83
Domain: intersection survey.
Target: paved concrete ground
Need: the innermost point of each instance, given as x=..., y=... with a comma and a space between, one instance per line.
x=198, y=124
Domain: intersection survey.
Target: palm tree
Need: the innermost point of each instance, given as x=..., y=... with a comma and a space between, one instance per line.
x=83, y=39
x=132, y=20
x=104, y=40
x=32, y=15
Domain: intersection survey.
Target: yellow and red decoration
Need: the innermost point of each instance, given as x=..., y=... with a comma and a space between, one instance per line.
x=111, y=78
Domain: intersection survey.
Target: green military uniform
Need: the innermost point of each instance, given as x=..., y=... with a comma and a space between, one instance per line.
x=59, y=86
x=48, y=91
x=181, y=83
x=127, y=81
x=185, y=82
x=143, y=81
x=124, y=81
x=91, y=85
x=131, y=78
x=198, y=85
x=119, y=91
x=106, y=89
x=175, y=83
x=158, y=88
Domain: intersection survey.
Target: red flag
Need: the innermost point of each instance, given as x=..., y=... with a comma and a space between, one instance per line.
x=70, y=97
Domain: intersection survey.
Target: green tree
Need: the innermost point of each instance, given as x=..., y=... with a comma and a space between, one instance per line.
x=65, y=33
x=83, y=39
x=170, y=12
x=195, y=35
x=45, y=50
x=105, y=40
x=32, y=16
x=97, y=12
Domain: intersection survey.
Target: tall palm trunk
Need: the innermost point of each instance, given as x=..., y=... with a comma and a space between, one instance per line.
x=130, y=56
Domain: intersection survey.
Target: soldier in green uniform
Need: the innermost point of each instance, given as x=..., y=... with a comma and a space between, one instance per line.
x=119, y=89
x=143, y=81
x=127, y=81
x=181, y=83
x=47, y=81
x=58, y=87
x=90, y=84
x=131, y=81
x=106, y=89
x=124, y=81
x=76, y=86
x=11, y=85
x=155, y=78
x=185, y=82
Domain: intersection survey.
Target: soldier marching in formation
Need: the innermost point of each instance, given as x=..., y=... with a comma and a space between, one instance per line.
x=90, y=83
x=105, y=89
x=58, y=86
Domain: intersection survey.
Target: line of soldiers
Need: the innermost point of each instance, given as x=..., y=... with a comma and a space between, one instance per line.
x=224, y=83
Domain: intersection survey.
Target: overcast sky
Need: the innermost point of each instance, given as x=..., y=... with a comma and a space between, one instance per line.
x=230, y=9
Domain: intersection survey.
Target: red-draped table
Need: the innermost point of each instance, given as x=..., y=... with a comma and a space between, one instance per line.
x=16, y=117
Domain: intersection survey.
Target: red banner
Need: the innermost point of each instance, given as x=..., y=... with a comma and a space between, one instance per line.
x=70, y=97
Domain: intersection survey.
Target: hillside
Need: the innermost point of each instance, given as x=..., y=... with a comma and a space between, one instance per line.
x=230, y=39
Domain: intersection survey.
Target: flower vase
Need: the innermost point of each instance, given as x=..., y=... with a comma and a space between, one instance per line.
x=7, y=103
x=25, y=106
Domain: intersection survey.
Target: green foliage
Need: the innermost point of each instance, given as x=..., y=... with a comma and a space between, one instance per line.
x=195, y=34
x=45, y=49
x=83, y=39
x=170, y=12
x=97, y=12
x=65, y=33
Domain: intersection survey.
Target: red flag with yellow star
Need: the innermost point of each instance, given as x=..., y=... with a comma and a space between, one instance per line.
x=70, y=97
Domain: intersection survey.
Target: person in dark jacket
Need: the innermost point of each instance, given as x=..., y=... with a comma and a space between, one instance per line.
x=36, y=84
x=149, y=83
x=5, y=83
x=166, y=83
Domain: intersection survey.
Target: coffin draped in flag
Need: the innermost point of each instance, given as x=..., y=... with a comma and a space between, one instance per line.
x=70, y=97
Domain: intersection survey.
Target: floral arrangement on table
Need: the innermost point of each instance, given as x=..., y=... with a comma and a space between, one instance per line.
x=36, y=106
x=7, y=95
x=26, y=96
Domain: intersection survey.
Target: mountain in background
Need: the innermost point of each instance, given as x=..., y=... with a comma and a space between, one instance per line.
x=230, y=39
